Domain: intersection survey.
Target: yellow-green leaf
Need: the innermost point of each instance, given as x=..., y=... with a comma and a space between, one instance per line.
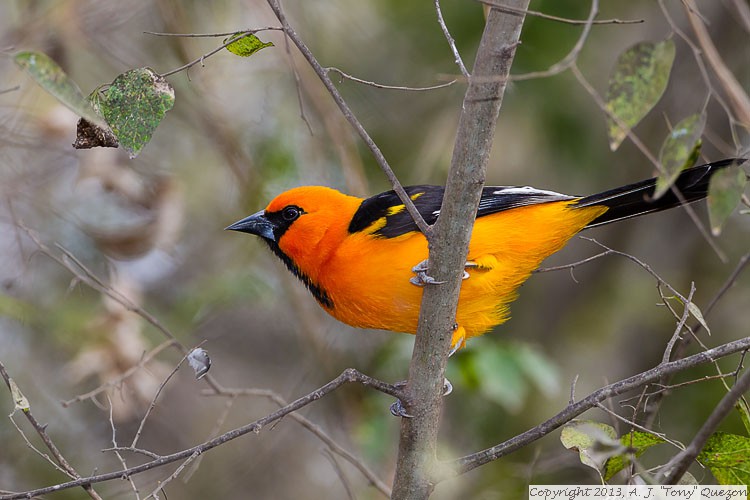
x=639, y=79
x=19, y=400
x=51, y=77
x=697, y=314
x=724, y=194
x=679, y=151
x=637, y=442
x=728, y=458
x=246, y=44
x=595, y=442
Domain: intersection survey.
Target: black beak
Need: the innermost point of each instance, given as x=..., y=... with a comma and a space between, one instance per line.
x=255, y=224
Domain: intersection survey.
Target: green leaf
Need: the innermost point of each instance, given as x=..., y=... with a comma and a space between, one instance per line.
x=724, y=193
x=728, y=458
x=595, y=442
x=679, y=151
x=134, y=105
x=638, y=82
x=637, y=442
x=246, y=46
x=51, y=77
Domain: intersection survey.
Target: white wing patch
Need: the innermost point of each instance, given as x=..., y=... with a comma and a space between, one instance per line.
x=530, y=191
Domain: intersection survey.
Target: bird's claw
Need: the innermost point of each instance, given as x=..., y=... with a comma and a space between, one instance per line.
x=421, y=277
x=398, y=410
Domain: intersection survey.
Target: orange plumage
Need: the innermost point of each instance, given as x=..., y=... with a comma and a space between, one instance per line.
x=356, y=256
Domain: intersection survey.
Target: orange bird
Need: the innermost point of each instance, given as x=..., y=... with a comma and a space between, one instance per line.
x=364, y=259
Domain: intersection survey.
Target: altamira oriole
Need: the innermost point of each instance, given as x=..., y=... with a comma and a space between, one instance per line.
x=357, y=256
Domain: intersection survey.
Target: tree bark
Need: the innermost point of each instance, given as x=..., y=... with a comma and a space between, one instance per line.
x=417, y=467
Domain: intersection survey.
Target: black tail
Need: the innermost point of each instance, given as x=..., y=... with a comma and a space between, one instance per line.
x=635, y=199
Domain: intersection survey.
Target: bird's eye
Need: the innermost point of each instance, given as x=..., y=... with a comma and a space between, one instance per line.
x=291, y=213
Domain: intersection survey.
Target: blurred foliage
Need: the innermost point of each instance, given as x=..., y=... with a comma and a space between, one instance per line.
x=242, y=130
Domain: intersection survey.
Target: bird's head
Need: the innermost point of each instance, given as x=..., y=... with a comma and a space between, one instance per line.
x=303, y=224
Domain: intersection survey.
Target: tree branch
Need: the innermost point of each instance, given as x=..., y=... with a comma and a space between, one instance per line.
x=469, y=462
x=676, y=468
x=347, y=376
x=448, y=251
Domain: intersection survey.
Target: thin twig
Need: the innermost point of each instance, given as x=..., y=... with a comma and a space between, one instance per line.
x=680, y=325
x=737, y=95
x=347, y=76
x=11, y=89
x=153, y=402
x=542, y=15
x=88, y=277
x=679, y=464
x=116, y=448
x=469, y=462
x=41, y=430
x=569, y=60
x=313, y=428
x=347, y=376
x=651, y=158
x=451, y=42
x=573, y=265
x=660, y=435
x=214, y=51
x=682, y=345
x=340, y=473
x=351, y=118
x=125, y=375
x=172, y=476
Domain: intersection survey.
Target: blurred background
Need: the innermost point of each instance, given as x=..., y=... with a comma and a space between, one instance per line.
x=152, y=229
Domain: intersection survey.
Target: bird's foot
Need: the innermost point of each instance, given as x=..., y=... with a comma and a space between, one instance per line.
x=399, y=410
x=421, y=277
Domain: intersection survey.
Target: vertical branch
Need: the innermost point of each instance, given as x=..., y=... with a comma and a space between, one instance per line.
x=415, y=470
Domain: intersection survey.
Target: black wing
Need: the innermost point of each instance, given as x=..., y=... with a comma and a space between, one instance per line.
x=386, y=216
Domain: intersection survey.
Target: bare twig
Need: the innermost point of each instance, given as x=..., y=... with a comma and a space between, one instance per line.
x=469, y=462
x=153, y=402
x=634, y=425
x=200, y=60
x=116, y=449
x=313, y=428
x=737, y=95
x=680, y=325
x=172, y=476
x=340, y=473
x=125, y=375
x=679, y=464
x=86, y=276
x=682, y=345
x=351, y=118
x=504, y=8
x=347, y=376
x=569, y=60
x=11, y=89
x=41, y=430
x=451, y=41
x=651, y=158
x=347, y=76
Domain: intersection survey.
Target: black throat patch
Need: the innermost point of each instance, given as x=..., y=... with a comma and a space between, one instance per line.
x=320, y=295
